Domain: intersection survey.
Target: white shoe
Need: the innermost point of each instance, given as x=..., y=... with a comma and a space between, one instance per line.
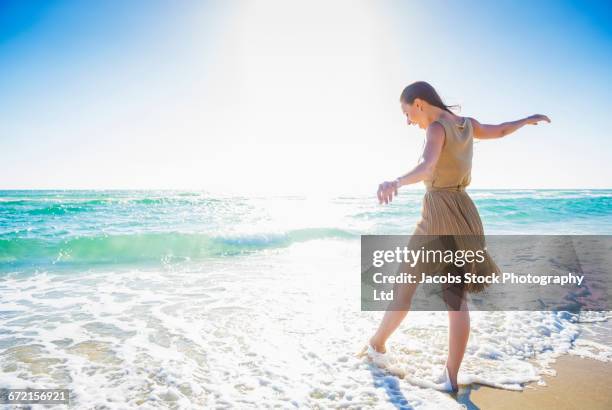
x=382, y=360
x=443, y=382
x=378, y=358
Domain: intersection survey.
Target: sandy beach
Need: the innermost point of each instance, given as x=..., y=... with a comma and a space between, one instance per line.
x=580, y=383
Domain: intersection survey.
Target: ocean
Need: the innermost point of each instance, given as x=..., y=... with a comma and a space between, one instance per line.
x=182, y=299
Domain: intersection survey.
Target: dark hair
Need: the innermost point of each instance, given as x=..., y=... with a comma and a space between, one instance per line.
x=425, y=92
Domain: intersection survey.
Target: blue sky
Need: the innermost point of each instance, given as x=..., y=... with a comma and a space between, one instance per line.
x=283, y=97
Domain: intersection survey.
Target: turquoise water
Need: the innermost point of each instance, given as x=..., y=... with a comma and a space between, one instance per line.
x=61, y=229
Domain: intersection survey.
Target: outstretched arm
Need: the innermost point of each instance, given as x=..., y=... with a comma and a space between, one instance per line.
x=431, y=153
x=488, y=131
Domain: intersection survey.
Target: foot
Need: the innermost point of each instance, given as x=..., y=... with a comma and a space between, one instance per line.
x=378, y=346
x=444, y=383
x=382, y=360
x=373, y=346
x=376, y=352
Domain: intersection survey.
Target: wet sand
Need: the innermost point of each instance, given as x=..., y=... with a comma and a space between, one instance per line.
x=580, y=383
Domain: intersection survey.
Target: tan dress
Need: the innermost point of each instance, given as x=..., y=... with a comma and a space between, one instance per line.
x=447, y=208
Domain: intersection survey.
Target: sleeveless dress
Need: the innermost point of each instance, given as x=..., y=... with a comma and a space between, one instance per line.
x=448, y=212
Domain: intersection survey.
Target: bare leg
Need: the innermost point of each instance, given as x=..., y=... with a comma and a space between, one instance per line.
x=458, y=335
x=396, y=312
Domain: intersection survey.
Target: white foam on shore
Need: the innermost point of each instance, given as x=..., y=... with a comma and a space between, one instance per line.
x=277, y=328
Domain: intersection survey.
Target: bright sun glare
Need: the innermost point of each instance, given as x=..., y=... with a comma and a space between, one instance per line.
x=303, y=87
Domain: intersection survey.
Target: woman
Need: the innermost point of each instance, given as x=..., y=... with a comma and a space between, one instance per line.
x=444, y=168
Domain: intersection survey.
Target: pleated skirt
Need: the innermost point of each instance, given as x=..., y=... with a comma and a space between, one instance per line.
x=452, y=217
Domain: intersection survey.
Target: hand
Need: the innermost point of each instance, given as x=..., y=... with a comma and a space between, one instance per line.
x=386, y=191
x=534, y=119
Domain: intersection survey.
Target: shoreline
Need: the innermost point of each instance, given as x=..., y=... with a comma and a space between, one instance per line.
x=579, y=383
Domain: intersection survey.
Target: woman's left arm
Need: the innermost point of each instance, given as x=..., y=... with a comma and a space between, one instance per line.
x=489, y=131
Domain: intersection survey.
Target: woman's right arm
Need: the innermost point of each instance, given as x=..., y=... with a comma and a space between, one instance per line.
x=490, y=131
x=431, y=153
